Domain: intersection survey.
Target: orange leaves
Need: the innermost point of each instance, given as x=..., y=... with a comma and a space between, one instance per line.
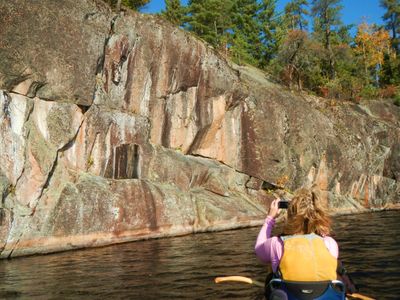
x=372, y=43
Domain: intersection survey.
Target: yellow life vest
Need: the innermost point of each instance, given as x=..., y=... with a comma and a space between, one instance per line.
x=306, y=258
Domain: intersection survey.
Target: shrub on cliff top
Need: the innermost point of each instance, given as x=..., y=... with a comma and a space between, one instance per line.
x=134, y=4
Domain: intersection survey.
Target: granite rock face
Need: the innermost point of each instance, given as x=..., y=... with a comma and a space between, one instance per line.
x=118, y=127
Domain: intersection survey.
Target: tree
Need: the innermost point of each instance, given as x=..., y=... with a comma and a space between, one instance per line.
x=174, y=12
x=298, y=61
x=372, y=44
x=295, y=14
x=246, y=43
x=291, y=57
x=134, y=4
x=391, y=67
x=392, y=19
x=390, y=73
x=269, y=22
x=210, y=19
x=326, y=16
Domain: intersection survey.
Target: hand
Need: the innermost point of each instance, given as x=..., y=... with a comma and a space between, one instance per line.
x=273, y=209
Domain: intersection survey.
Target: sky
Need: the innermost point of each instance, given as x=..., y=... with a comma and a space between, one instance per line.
x=354, y=11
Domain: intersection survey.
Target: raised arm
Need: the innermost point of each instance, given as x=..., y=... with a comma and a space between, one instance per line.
x=267, y=247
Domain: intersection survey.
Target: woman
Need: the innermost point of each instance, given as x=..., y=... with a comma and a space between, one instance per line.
x=304, y=251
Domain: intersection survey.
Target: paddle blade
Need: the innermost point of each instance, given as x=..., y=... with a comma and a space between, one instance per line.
x=233, y=278
x=359, y=296
x=239, y=279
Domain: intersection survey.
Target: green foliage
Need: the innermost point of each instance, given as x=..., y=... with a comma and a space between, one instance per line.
x=134, y=4
x=326, y=15
x=392, y=19
x=174, y=12
x=245, y=43
x=295, y=14
x=369, y=92
x=390, y=71
x=270, y=23
x=326, y=61
x=397, y=99
x=210, y=19
x=240, y=51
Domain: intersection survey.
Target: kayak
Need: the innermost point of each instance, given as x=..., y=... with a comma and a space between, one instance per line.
x=294, y=290
x=336, y=288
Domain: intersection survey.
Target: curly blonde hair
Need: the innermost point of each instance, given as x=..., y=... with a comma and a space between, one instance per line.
x=307, y=214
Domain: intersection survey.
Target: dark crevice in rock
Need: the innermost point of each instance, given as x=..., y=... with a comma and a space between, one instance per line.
x=123, y=162
x=253, y=183
x=269, y=186
x=219, y=161
x=6, y=107
x=16, y=80
x=34, y=88
x=216, y=193
x=2, y=217
x=181, y=89
x=49, y=176
x=135, y=163
x=117, y=66
x=166, y=128
x=83, y=108
x=197, y=139
x=27, y=137
x=101, y=60
x=90, y=158
x=3, y=197
x=53, y=167
x=45, y=186
x=151, y=208
x=129, y=77
x=126, y=161
x=15, y=245
x=112, y=24
x=69, y=144
x=265, y=184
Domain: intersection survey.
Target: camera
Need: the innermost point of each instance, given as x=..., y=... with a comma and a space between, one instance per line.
x=283, y=203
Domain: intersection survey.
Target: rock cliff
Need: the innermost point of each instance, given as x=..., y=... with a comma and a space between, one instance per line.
x=118, y=127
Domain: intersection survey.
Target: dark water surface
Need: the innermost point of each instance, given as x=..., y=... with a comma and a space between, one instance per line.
x=184, y=267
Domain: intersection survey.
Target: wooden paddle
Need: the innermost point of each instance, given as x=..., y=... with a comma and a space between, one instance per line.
x=240, y=279
x=260, y=284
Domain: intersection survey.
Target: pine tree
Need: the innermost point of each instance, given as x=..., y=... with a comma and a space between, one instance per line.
x=269, y=22
x=392, y=19
x=174, y=12
x=295, y=14
x=210, y=19
x=326, y=16
x=391, y=67
x=246, y=43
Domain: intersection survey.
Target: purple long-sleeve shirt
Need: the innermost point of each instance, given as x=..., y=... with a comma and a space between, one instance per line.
x=270, y=248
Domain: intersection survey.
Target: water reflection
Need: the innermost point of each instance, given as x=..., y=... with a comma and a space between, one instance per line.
x=184, y=267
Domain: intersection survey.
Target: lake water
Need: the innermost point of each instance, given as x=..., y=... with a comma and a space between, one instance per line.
x=184, y=267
